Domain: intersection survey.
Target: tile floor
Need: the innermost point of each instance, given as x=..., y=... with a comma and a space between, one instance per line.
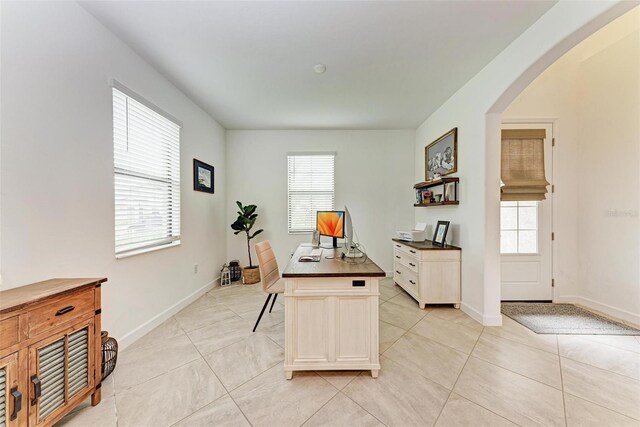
x=204, y=367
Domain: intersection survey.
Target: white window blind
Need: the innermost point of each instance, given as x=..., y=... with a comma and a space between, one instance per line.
x=146, y=147
x=311, y=187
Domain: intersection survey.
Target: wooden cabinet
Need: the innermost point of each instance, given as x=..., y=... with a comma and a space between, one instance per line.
x=49, y=350
x=430, y=274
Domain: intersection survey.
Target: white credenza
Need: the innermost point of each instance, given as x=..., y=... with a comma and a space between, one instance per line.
x=430, y=274
x=331, y=315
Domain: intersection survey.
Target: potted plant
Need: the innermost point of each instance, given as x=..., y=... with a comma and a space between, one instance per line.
x=246, y=219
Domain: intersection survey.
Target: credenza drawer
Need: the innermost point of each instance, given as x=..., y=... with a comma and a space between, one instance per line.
x=407, y=260
x=9, y=332
x=340, y=284
x=406, y=249
x=62, y=310
x=406, y=278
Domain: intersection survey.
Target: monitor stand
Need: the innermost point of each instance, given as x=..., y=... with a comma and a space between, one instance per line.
x=331, y=246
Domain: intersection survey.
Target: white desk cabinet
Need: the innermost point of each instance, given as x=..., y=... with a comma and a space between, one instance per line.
x=430, y=274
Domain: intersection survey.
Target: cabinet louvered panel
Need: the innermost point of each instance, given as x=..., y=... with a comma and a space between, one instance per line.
x=3, y=397
x=52, y=377
x=78, y=361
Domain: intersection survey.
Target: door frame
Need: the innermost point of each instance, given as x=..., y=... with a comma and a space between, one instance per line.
x=554, y=123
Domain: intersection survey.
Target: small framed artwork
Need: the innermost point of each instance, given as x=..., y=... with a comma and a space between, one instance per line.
x=440, y=235
x=441, y=156
x=203, y=178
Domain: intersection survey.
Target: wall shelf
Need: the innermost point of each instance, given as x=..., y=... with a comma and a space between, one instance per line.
x=448, y=192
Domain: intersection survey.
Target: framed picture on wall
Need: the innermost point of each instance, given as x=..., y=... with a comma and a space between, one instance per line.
x=203, y=177
x=441, y=156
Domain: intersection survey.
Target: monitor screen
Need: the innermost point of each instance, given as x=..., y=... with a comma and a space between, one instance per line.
x=330, y=223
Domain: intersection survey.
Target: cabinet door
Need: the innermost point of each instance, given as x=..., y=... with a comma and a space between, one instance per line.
x=312, y=333
x=12, y=401
x=60, y=371
x=441, y=281
x=353, y=326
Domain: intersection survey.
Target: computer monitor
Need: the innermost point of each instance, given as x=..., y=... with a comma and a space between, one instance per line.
x=331, y=224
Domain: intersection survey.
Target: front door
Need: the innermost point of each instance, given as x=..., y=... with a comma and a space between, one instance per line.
x=526, y=237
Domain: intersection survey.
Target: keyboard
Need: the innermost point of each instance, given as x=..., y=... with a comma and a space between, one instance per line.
x=316, y=252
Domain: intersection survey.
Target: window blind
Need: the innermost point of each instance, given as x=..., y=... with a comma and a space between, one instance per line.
x=311, y=185
x=146, y=147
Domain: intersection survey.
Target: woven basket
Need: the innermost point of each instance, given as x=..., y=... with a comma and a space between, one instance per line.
x=251, y=275
x=109, y=354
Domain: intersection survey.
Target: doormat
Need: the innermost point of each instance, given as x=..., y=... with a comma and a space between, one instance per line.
x=568, y=319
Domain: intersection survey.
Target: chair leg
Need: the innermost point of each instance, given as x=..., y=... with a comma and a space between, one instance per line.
x=262, y=312
x=273, y=302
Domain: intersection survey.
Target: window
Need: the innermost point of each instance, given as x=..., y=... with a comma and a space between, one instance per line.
x=146, y=148
x=311, y=188
x=519, y=227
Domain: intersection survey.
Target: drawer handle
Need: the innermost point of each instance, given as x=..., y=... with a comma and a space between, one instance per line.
x=413, y=252
x=17, y=402
x=412, y=264
x=65, y=310
x=398, y=272
x=397, y=257
x=37, y=390
x=398, y=246
x=412, y=282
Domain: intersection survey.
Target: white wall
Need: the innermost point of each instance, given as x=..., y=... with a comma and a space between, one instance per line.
x=57, y=166
x=374, y=178
x=592, y=94
x=475, y=109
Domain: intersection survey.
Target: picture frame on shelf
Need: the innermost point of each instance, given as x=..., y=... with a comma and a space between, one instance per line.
x=203, y=177
x=441, y=156
x=440, y=234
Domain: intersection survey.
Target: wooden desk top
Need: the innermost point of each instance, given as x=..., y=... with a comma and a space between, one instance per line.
x=336, y=267
x=16, y=298
x=427, y=246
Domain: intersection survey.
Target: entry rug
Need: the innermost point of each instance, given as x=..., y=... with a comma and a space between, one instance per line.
x=568, y=319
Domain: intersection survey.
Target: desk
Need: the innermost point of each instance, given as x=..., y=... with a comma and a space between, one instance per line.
x=331, y=314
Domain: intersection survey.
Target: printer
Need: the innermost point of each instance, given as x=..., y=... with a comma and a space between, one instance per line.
x=418, y=234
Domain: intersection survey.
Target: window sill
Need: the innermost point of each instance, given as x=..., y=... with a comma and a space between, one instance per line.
x=145, y=250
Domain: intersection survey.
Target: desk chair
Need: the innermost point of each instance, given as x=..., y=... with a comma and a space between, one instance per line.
x=272, y=283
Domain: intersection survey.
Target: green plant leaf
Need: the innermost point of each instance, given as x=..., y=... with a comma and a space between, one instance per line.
x=239, y=205
x=256, y=233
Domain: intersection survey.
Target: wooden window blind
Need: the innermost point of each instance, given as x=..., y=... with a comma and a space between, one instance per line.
x=522, y=167
x=311, y=188
x=147, y=177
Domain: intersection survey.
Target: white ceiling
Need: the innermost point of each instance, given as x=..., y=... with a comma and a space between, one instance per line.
x=250, y=64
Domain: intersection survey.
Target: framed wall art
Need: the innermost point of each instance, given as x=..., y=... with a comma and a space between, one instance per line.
x=203, y=178
x=441, y=156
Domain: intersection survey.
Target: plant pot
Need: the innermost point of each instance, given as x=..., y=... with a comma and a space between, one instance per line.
x=250, y=275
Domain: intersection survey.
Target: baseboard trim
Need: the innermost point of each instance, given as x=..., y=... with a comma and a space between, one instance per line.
x=131, y=337
x=388, y=273
x=479, y=317
x=615, y=313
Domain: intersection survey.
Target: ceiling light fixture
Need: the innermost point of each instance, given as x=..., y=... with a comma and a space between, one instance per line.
x=319, y=68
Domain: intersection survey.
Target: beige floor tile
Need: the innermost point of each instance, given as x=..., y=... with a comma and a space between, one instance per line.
x=404, y=299
x=516, y=332
x=388, y=334
x=624, y=342
x=221, y=413
x=340, y=379
x=193, y=318
x=388, y=290
x=581, y=413
x=517, y=398
x=169, y=398
x=400, y=316
x=454, y=315
x=272, y=400
x=214, y=337
x=268, y=319
x=137, y=365
x=460, y=412
x=244, y=304
x=239, y=362
x=433, y=360
x=275, y=332
x=167, y=330
x=448, y=333
x=613, y=391
x=603, y=356
x=398, y=397
x=108, y=386
x=101, y=415
x=342, y=412
x=536, y=364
